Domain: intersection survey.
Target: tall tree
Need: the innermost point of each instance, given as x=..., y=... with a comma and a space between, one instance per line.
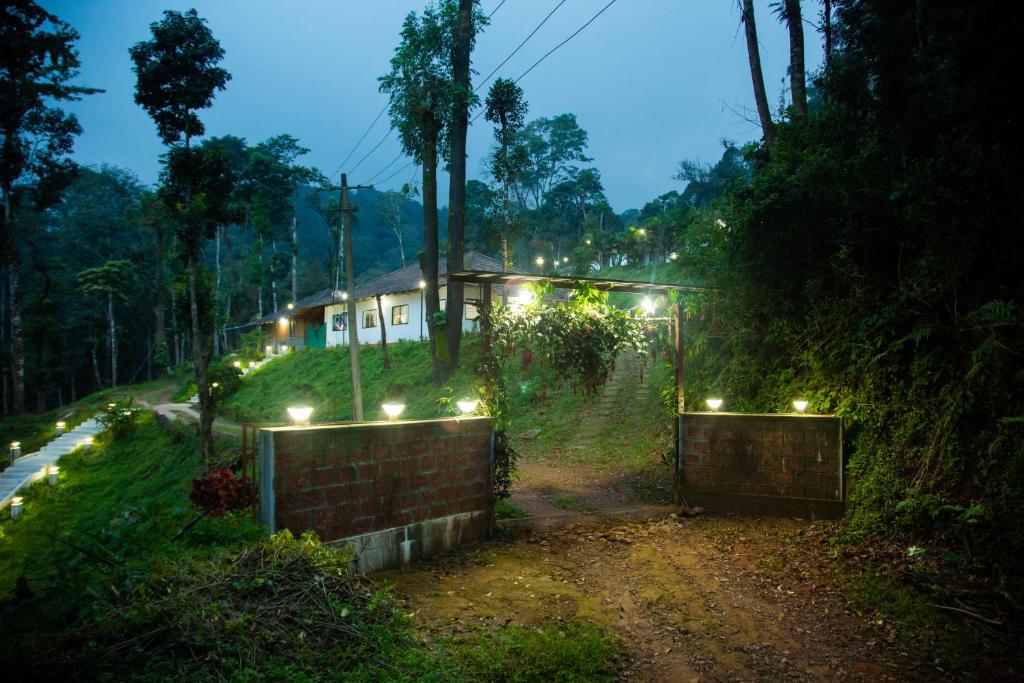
x=109, y=281
x=764, y=113
x=553, y=146
x=419, y=91
x=506, y=108
x=177, y=76
x=789, y=13
x=463, y=26
x=37, y=63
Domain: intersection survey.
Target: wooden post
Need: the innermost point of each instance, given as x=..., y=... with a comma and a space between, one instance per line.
x=680, y=402
x=350, y=284
x=485, y=304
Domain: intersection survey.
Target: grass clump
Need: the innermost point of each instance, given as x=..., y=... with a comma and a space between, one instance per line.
x=574, y=651
x=503, y=509
x=570, y=501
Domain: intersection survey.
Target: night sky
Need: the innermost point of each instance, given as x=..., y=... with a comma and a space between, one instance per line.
x=652, y=81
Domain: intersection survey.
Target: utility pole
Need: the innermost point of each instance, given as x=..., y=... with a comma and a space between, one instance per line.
x=350, y=285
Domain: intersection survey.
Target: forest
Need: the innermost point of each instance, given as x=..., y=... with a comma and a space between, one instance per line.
x=867, y=245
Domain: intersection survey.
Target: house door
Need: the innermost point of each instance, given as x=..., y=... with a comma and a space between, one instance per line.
x=316, y=336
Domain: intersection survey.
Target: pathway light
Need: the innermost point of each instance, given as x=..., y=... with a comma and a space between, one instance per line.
x=467, y=406
x=53, y=472
x=393, y=410
x=269, y=348
x=87, y=443
x=300, y=414
x=60, y=427
x=284, y=348
x=17, y=505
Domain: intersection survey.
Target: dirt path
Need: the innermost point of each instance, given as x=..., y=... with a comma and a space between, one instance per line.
x=159, y=401
x=704, y=599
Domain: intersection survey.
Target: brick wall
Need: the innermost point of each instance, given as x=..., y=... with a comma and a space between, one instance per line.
x=350, y=481
x=787, y=465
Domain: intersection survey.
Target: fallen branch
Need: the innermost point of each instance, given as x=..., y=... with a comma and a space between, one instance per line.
x=975, y=615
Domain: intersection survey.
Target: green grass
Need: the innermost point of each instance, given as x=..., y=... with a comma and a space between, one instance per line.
x=574, y=651
x=503, y=509
x=571, y=501
x=320, y=378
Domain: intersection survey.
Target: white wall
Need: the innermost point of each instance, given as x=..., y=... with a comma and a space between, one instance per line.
x=415, y=329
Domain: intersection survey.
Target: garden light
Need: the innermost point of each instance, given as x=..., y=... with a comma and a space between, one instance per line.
x=467, y=406
x=393, y=410
x=87, y=443
x=60, y=427
x=589, y=242
x=565, y=259
x=215, y=385
x=423, y=284
x=291, y=306
x=673, y=256
x=269, y=349
x=641, y=232
x=17, y=505
x=539, y=260
x=111, y=405
x=284, y=348
x=300, y=414
x=719, y=222
x=15, y=451
x=800, y=405
x=238, y=364
x=54, y=471
x=648, y=305
x=714, y=404
x=525, y=297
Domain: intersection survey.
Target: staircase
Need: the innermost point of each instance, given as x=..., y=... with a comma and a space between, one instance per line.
x=33, y=466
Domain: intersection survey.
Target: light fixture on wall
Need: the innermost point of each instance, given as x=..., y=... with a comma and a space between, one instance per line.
x=344, y=296
x=53, y=472
x=423, y=284
x=800, y=405
x=393, y=410
x=467, y=406
x=647, y=305
x=60, y=427
x=714, y=404
x=17, y=506
x=300, y=415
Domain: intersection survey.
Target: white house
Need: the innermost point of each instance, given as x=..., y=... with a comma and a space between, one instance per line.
x=321, y=320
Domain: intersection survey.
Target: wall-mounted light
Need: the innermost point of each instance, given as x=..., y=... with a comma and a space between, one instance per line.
x=344, y=296
x=17, y=506
x=283, y=321
x=714, y=404
x=300, y=414
x=800, y=405
x=53, y=472
x=467, y=406
x=60, y=427
x=393, y=410
x=423, y=284
x=647, y=305
x=290, y=306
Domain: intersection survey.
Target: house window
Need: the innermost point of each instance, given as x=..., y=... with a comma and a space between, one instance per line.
x=472, y=312
x=400, y=315
x=339, y=322
x=443, y=304
x=369, y=318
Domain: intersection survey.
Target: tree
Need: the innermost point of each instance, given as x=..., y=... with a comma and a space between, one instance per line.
x=788, y=12
x=419, y=91
x=764, y=113
x=506, y=108
x=391, y=211
x=463, y=27
x=553, y=145
x=109, y=281
x=177, y=75
x=37, y=63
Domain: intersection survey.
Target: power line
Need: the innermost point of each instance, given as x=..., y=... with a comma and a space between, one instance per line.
x=395, y=173
x=381, y=171
x=365, y=133
x=537, y=28
x=496, y=9
x=552, y=50
x=374, y=149
x=549, y=52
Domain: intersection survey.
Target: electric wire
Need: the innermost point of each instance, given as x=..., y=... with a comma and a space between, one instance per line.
x=376, y=175
x=493, y=11
x=525, y=40
x=363, y=137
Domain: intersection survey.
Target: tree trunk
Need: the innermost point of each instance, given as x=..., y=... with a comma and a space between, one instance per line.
x=826, y=27
x=350, y=284
x=273, y=282
x=200, y=359
x=797, y=75
x=259, y=289
x=457, y=179
x=160, y=338
x=428, y=262
x=295, y=255
x=17, y=335
x=97, y=379
x=216, y=294
x=383, y=334
x=113, y=339
x=754, y=57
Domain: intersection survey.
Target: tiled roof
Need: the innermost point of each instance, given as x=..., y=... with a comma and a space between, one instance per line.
x=402, y=280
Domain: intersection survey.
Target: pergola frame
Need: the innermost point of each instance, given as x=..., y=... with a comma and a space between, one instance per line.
x=488, y=278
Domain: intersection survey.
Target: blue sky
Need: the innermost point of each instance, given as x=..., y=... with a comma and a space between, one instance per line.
x=652, y=81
